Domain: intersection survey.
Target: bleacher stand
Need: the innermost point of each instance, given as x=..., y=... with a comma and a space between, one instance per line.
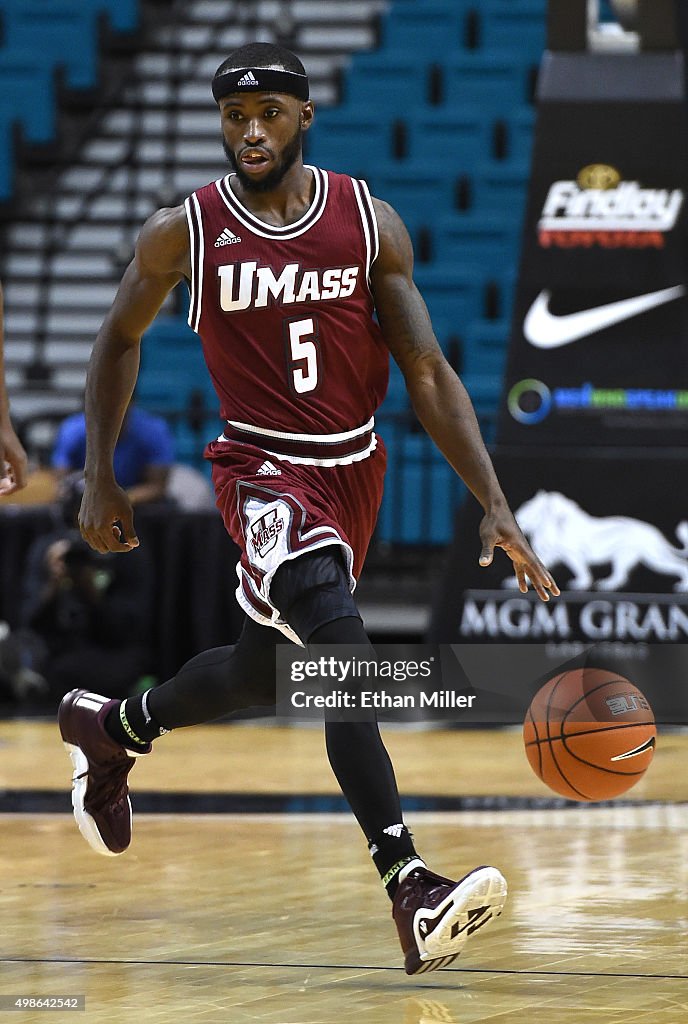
x=431, y=102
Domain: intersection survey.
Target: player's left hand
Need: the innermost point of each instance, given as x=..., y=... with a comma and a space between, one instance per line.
x=500, y=530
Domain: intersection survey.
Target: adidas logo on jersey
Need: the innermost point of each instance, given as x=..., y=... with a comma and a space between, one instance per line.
x=226, y=238
x=248, y=79
x=268, y=469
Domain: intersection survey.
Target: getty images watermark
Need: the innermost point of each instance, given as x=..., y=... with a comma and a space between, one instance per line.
x=360, y=682
x=468, y=684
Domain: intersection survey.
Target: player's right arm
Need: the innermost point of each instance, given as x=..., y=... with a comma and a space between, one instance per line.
x=161, y=260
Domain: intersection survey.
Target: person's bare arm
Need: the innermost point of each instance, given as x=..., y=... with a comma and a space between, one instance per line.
x=153, y=487
x=161, y=260
x=12, y=456
x=441, y=401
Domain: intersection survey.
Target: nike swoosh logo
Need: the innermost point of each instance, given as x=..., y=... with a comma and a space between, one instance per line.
x=647, y=745
x=546, y=330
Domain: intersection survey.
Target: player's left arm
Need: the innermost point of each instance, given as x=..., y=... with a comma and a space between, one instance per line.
x=441, y=401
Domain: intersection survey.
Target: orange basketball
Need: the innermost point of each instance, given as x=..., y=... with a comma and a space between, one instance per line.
x=589, y=734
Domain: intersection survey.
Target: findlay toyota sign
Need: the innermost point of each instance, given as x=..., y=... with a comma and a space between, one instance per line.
x=602, y=295
x=600, y=209
x=601, y=287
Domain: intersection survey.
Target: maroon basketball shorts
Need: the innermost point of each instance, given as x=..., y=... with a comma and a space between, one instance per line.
x=275, y=510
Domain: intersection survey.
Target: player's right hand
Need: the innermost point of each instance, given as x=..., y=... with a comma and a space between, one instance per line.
x=106, y=518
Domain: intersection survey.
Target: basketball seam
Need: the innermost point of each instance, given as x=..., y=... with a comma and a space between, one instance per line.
x=537, y=740
x=589, y=732
x=549, y=739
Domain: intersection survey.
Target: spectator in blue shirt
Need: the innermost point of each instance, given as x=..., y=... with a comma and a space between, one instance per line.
x=143, y=456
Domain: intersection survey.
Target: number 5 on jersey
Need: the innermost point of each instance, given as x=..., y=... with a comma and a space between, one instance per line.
x=303, y=354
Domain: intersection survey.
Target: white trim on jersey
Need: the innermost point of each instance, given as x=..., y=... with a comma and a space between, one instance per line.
x=308, y=460
x=364, y=224
x=197, y=242
x=288, y=231
x=329, y=538
x=313, y=438
x=368, y=200
x=335, y=460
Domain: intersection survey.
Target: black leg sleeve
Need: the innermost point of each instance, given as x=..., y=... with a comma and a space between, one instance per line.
x=356, y=752
x=220, y=681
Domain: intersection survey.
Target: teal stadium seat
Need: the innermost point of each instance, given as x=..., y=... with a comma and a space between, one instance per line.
x=27, y=94
x=169, y=334
x=487, y=241
x=503, y=23
x=447, y=329
x=451, y=293
x=499, y=187
x=485, y=348
x=27, y=100
x=397, y=399
x=172, y=366
x=420, y=494
x=123, y=14
x=412, y=187
x=162, y=390
x=37, y=37
x=495, y=83
x=190, y=444
x=344, y=141
x=484, y=389
x=436, y=135
x=387, y=83
x=520, y=127
x=433, y=28
x=65, y=35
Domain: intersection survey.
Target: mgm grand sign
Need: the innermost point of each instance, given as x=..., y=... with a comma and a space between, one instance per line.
x=614, y=533
x=490, y=615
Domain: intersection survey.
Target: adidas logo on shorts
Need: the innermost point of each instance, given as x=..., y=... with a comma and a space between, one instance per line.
x=226, y=238
x=248, y=79
x=268, y=469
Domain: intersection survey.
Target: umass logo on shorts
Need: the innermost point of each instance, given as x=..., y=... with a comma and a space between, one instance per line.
x=264, y=532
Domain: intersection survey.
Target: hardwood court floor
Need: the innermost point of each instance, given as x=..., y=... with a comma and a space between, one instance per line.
x=281, y=919
x=286, y=759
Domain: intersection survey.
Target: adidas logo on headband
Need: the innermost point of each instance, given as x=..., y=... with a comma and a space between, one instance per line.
x=262, y=79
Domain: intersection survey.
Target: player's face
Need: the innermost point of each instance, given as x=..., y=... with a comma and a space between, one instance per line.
x=262, y=136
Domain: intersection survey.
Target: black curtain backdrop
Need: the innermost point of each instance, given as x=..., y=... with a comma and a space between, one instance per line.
x=195, y=577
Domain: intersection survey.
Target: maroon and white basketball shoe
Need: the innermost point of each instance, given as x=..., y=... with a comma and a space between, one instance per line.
x=435, y=916
x=100, y=794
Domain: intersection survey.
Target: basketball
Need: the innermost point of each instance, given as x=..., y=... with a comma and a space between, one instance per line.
x=589, y=734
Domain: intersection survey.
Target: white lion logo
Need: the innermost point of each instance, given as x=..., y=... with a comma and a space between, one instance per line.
x=563, y=534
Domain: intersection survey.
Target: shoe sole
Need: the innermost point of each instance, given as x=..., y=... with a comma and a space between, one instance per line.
x=477, y=900
x=85, y=821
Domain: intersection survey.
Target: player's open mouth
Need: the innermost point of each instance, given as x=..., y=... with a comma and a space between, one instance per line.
x=254, y=158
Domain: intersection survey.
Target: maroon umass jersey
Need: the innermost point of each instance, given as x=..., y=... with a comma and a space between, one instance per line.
x=285, y=317
x=285, y=314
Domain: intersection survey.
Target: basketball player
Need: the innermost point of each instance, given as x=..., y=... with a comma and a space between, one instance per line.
x=286, y=265
x=12, y=455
